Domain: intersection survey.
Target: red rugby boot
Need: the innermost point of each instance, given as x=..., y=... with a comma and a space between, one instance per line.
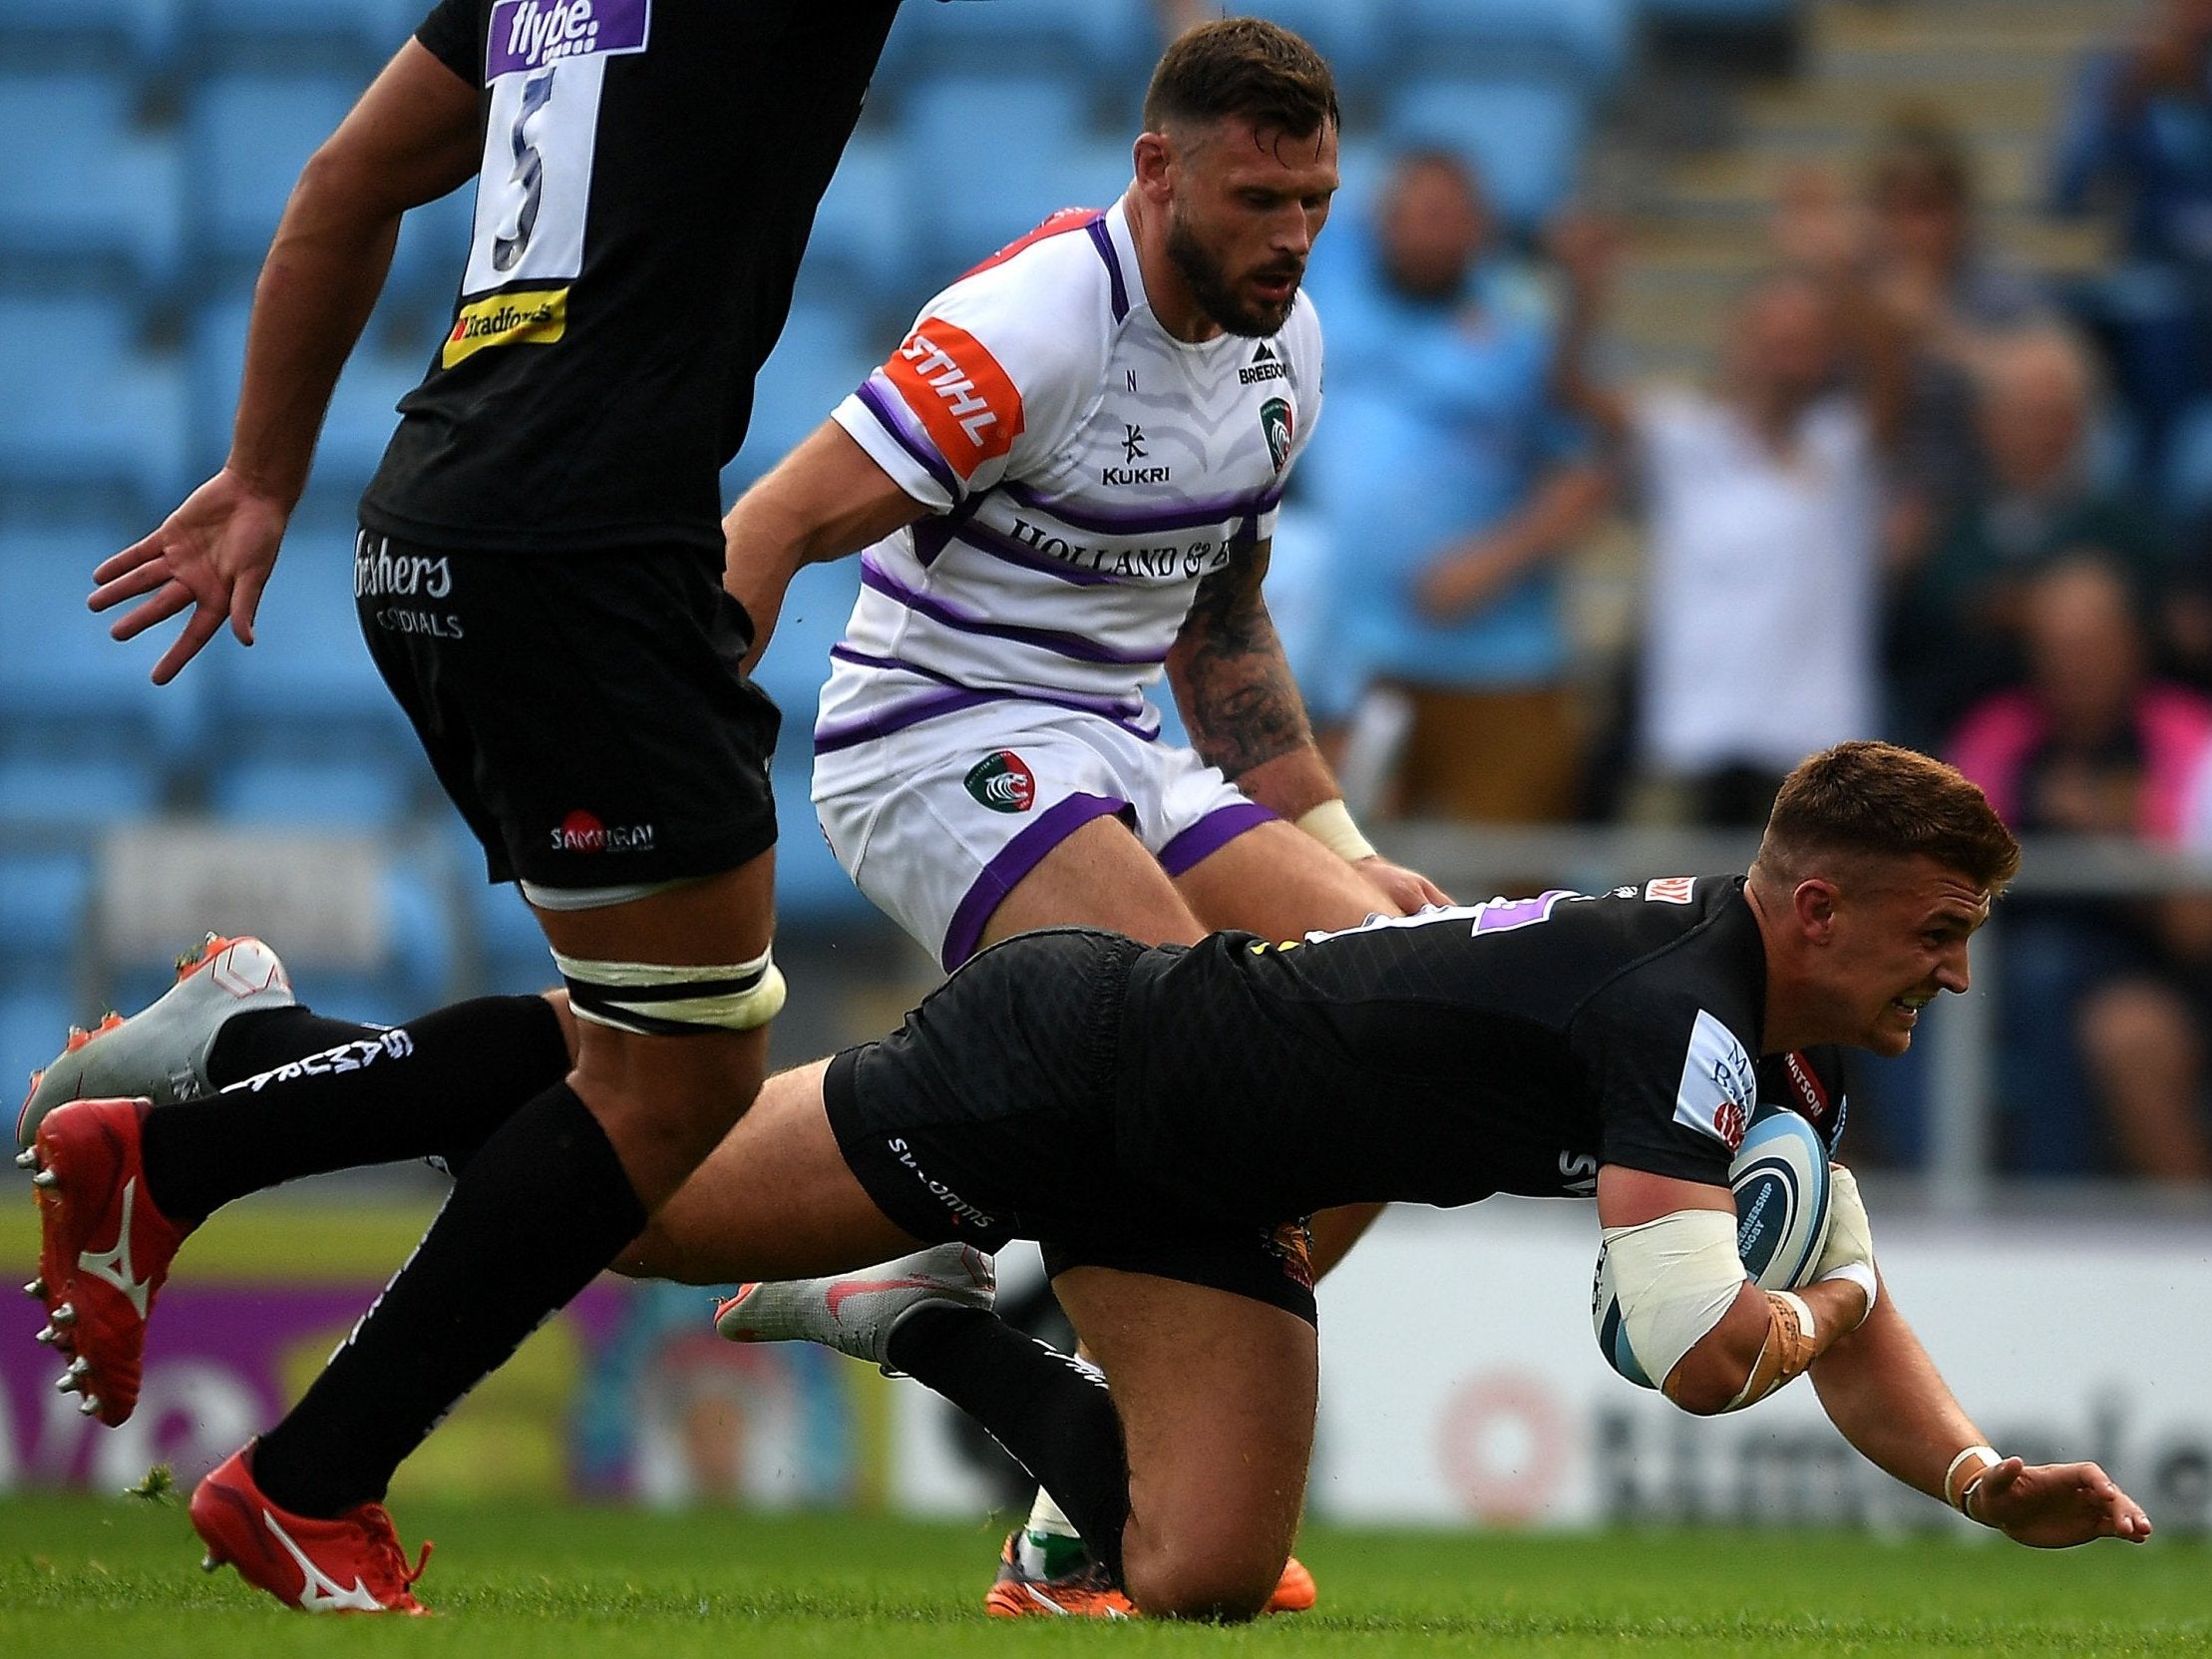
x=350, y=1564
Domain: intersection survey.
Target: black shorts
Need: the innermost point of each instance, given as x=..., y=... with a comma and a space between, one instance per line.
x=989, y=1116
x=585, y=713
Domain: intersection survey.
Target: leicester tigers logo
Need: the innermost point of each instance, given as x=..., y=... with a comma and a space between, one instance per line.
x=1277, y=423
x=1002, y=781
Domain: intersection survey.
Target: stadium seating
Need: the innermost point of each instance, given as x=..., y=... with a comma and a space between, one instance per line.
x=862, y=250
x=246, y=135
x=352, y=37
x=826, y=351
x=85, y=409
x=135, y=37
x=1522, y=135
x=89, y=193
x=1582, y=40
x=1095, y=48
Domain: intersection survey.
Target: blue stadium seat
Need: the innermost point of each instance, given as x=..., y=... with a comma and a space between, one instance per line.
x=346, y=788
x=862, y=242
x=958, y=129
x=84, y=407
x=35, y=1016
x=2186, y=487
x=45, y=892
x=824, y=352
x=352, y=36
x=87, y=187
x=136, y=36
x=433, y=247
x=810, y=887
x=1084, y=41
x=1523, y=137
x=63, y=682
x=1583, y=40
x=76, y=790
x=247, y=136
x=1721, y=11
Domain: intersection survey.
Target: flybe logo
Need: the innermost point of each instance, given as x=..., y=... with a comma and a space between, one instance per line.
x=529, y=35
x=956, y=388
x=539, y=316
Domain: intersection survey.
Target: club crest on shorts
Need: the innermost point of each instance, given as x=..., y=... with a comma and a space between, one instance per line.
x=1002, y=781
x=1278, y=423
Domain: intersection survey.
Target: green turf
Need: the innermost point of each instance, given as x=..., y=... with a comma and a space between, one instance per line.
x=83, y=1578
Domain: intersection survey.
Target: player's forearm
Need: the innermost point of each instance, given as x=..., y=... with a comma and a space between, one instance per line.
x=317, y=287
x=1884, y=1395
x=1239, y=701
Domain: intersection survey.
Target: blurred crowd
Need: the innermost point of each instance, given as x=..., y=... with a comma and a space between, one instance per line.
x=1925, y=492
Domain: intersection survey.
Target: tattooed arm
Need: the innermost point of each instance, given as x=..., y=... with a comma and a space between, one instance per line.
x=1245, y=716
x=1234, y=687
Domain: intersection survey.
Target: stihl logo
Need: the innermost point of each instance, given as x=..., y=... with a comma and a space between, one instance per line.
x=958, y=391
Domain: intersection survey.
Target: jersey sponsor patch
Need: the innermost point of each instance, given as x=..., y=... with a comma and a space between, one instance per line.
x=1278, y=424
x=1718, y=1086
x=1669, y=890
x=537, y=316
x=955, y=387
x=527, y=35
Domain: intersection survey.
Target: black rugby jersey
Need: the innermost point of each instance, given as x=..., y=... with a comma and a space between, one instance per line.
x=1509, y=1046
x=651, y=172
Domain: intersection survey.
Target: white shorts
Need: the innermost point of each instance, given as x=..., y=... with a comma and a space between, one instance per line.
x=937, y=822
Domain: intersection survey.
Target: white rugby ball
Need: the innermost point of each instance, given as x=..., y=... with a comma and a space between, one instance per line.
x=1780, y=1180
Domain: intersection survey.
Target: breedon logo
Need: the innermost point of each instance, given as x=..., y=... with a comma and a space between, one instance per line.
x=1002, y=781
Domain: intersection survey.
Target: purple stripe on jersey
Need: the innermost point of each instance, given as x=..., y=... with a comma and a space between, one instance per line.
x=1190, y=516
x=1001, y=545
x=1209, y=834
x=1053, y=639
x=1124, y=713
x=1013, y=861
x=882, y=722
x=1103, y=240
x=887, y=417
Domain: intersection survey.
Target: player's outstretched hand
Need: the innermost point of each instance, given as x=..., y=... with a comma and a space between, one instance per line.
x=212, y=554
x=1407, y=889
x=2057, y=1506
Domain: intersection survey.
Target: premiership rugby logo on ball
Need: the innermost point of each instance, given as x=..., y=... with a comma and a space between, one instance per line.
x=1002, y=781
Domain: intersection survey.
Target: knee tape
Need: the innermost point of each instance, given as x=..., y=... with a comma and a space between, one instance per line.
x=656, y=1001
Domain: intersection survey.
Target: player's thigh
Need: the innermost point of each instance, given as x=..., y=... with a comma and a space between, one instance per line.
x=1276, y=881
x=1100, y=876
x=665, y=1100
x=775, y=1199
x=1216, y=1394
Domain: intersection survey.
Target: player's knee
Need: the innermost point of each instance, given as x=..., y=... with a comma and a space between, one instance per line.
x=1219, y=1584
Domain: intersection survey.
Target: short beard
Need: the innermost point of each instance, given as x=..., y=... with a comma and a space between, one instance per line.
x=1208, y=285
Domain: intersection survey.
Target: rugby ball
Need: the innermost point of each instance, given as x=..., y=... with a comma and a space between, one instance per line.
x=1780, y=1180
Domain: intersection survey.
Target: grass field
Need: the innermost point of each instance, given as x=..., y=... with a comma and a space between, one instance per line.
x=81, y=1579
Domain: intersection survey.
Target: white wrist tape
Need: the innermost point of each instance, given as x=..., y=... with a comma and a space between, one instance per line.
x=1963, y=1477
x=1675, y=1278
x=1861, y=1275
x=1330, y=824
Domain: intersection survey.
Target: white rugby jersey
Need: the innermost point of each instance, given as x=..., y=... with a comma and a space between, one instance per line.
x=1084, y=468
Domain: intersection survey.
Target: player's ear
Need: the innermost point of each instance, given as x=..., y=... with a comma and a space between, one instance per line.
x=1814, y=905
x=1154, y=153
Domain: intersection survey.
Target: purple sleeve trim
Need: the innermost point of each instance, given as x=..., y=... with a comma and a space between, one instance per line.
x=1013, y=861
x=924, y=457
x=1212, y=833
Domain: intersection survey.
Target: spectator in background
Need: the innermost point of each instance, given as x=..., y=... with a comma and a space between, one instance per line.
x=1761, y=508
x=1947, y=294
x=1953, y=629
x=2102, y=1000
x=1451, y=482
x=2138, y=139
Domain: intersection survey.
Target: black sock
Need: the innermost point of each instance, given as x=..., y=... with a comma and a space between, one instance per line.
x=437, y=1087
x=1049, y=1411
x=262, y=1039
x=544, y=1207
